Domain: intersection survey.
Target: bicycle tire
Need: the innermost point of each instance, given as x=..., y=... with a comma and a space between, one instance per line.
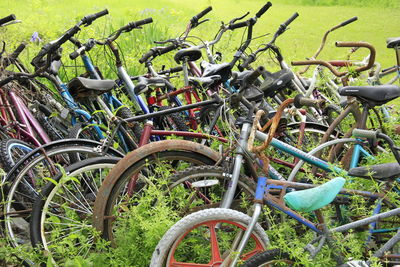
x=49, y=128
x=69, y=202
x=268, y=257
x=173, y=121
x=180, y=229
x=11, y=151
x=126, y=113
x=139, y=162
x=18, y=192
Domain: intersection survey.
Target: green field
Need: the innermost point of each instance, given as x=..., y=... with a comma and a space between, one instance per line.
x=50, y=18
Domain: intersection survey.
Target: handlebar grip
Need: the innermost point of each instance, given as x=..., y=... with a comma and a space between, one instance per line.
x=196, y=18
x=290, y=20
x=360, y=133
x=7, y=19
x=175, y=69
x=73, y=55
x=301, y=101
x=17, y=51
x=263, y=9
x=167, y=49
x=135, y=24
x=143, y=22
x=171, y=70
x=146, y=56
x=348, y=21
x=238, y=25
x=90, y=18
x=253, y=76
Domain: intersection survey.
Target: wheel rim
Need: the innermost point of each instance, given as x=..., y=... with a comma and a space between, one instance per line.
x=219, y=237
x=73, y=212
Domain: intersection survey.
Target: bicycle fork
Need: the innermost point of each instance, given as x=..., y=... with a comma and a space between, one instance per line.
x=258, y=201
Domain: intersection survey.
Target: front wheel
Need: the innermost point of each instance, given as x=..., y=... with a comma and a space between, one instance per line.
x=207, y=238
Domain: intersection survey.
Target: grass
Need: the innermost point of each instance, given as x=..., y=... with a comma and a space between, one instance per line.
x=50, y=18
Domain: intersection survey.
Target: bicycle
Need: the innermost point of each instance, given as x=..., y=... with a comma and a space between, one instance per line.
x=281, y=196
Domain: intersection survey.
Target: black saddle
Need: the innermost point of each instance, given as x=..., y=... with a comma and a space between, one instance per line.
x=274, y=82
x=192, y=54
x=393, y=42
x=223, y=70
x=377, y=95
x=384, y=171
x=204, y=81
x=81, y=88
x=144, y=83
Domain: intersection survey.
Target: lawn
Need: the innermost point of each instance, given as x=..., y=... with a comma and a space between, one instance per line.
x=50, y=18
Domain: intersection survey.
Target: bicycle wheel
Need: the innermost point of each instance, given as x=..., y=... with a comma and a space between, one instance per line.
x=206, y=238
x=273, y=257
x=146, y=166
x=126, y=113
x=21, y=184
x=11, y=151
x=62, y=215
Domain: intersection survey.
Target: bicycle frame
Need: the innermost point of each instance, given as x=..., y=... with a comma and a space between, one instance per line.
x=264, y=186
x=26, y=125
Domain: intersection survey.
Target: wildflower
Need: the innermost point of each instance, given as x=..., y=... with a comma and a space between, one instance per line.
x=35, y=37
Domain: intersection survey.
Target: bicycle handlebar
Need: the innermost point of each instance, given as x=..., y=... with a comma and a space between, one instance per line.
x=87, y=20
x=263, y=9
x=370, y=63
x=194, y=21
x=344, y=23
x=17, y=51
x=301, y=101
x=9, y=18
x=238, y=25
x=54, y=45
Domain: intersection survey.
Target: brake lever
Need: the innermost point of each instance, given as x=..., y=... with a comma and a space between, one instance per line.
x=236, y=19
x=11, y=22
x=200, y=22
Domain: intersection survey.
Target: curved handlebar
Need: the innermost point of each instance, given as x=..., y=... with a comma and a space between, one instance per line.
x=370, y=63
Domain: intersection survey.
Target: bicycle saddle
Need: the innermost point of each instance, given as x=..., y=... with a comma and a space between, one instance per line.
x=192, y=54
x=204, y=81
x=223, y=69
x=82, y=87
x=315, y=198
x=144, y=83
x=274, y=82
x=393, y=42
x=384, y=171
x=378, y=94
